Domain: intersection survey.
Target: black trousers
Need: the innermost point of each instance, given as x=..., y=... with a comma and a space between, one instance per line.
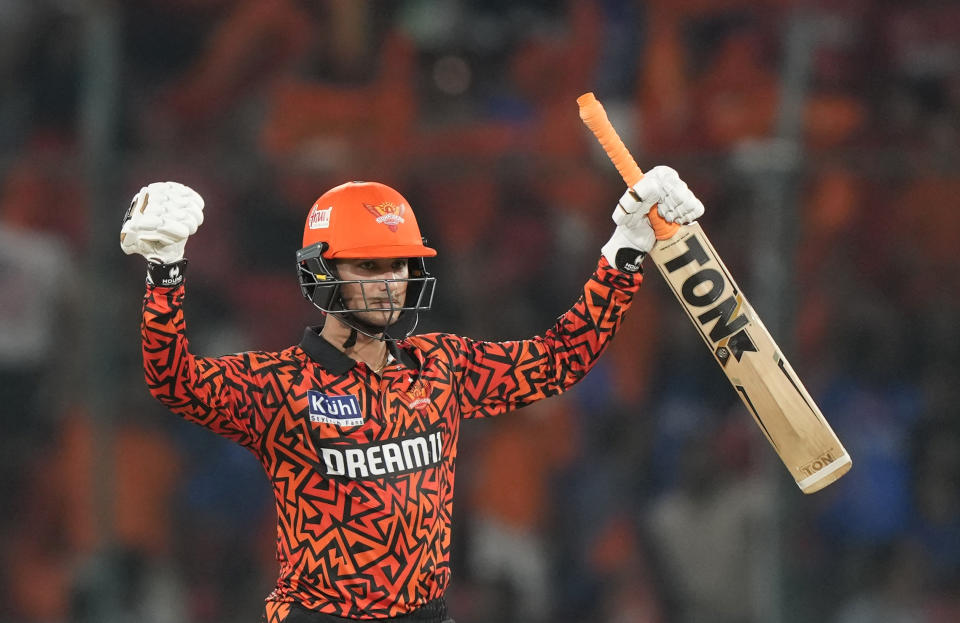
x=434, y=612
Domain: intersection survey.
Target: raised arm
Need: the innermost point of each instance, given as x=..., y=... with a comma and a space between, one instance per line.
x=216, y=393
x=499, y=376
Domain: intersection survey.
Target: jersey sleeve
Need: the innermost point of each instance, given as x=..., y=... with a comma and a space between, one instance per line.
x=217, y=393
x=501, y=376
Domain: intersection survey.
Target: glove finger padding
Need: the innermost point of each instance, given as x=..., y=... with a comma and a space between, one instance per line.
x=159, y=220
x=145, y=223
x=656, y=186
x=129, y=242
x=680, y=205
x=630, y=210
x=176, y=230
x=676, y=202
x=159, y=238
x=193, y=218
x=634, y=236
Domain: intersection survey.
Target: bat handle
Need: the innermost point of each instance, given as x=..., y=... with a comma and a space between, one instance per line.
x=661, y=228
x=595, y=118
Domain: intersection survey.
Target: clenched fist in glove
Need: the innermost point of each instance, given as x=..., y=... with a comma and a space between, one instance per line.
x=634, y=238
x=160, y=218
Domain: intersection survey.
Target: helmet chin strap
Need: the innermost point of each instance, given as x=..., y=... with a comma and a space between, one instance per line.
x=351, y=339
x=358, y=326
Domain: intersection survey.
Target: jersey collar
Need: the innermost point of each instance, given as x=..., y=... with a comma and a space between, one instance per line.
x=334, y=360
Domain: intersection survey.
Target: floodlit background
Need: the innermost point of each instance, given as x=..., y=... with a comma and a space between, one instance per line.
x=822, y=137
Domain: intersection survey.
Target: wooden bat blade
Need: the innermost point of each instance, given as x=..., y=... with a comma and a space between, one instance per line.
x=751, y=360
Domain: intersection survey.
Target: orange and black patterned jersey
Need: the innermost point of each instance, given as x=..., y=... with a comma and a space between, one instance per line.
x=362, y=466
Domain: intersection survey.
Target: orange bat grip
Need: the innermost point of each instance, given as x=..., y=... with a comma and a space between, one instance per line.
x=595, y=118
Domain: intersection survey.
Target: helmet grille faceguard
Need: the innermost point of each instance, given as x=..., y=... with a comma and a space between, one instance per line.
x=321, y=285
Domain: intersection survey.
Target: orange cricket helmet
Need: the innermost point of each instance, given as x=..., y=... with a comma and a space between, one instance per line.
x=364, y=220
x=361, y=220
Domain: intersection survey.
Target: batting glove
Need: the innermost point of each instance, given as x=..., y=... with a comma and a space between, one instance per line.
x=157, y=224
x=634, y=237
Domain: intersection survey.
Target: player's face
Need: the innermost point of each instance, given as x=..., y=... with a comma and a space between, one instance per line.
x=382, y=293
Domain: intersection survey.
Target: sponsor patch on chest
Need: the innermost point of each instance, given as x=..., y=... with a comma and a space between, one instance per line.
x=384, y=458
x=336, y=410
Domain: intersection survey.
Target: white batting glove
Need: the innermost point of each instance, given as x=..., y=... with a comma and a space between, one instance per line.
x=160, y=218
x=634, y=237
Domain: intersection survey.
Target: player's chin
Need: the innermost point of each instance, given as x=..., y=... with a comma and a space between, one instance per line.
x=379, y=318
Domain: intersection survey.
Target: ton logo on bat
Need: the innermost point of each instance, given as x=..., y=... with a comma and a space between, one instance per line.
x=728, y=333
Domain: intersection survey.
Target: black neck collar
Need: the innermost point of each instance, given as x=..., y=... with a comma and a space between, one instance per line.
x=333, y=359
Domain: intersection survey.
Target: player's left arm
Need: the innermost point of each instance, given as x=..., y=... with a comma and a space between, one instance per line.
x=500, y=376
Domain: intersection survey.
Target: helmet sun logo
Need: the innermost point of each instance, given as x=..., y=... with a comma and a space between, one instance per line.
x=387, y=213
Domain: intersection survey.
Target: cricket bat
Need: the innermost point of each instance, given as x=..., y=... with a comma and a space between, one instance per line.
x=747, y=354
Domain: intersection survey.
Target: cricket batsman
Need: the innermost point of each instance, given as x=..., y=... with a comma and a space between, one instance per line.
x=357, y=425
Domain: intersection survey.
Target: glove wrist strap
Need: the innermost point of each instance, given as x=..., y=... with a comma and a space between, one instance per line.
x=629, y=260
x=623, y=254
x=166, y=275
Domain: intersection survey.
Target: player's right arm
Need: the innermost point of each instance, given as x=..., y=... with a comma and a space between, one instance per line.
x=212, y=392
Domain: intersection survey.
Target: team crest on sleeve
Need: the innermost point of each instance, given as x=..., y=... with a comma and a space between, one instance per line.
x=336, y=410
x=387, y=213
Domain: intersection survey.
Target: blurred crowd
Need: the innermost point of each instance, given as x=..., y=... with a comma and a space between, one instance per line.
x=644, y=494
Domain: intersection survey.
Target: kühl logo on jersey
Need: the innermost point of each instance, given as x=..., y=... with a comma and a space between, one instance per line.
x=338, y=410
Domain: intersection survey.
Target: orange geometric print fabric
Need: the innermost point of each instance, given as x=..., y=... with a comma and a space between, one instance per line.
x=362, y=466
